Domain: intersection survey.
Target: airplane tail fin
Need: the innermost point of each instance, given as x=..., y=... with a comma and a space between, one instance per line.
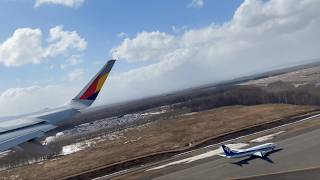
x=90, y=92
x=227, y=151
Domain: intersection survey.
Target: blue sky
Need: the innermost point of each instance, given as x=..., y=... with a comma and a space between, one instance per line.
x=99, y=22
x=50, y=48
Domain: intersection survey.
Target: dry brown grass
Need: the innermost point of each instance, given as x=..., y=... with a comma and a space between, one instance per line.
x=159, y=136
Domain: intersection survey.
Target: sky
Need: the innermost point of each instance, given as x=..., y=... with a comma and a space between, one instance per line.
x=49, y=49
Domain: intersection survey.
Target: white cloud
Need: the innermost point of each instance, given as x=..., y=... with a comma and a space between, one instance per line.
x=25, y=100
x=25, y=46
x=122, y=35
x=261, y=35
x=196, y=4
x=72, y=61
x=61, y=41
x=76, y=74
x=66, y=3
x=157, y=43
x=178, y=30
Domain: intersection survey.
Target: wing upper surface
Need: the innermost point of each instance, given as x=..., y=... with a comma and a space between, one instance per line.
x=14, y=132
x=8, y=125
x=13, y=138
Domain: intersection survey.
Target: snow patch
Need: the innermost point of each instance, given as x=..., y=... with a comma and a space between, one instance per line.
x=59, y=134
x=266, y=138
x=154, y=113
x=133, y=140
x=189, y=114
x=201, y=156
x=299, y=84
x=106, y=124
x=69, y=149
x=51, y=139
x=72, y=148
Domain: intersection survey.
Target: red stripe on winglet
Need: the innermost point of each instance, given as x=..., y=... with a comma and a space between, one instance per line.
x=91, y=90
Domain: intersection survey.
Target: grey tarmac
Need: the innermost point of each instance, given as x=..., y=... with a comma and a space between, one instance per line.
x=297, y=152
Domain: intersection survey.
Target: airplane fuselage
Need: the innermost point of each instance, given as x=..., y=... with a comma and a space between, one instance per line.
x=260, y=150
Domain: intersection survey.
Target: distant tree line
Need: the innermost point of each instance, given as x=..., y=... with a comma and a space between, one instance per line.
x=252, y=95
x=199, y=99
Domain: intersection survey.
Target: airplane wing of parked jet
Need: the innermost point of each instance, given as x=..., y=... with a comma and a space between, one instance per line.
x=19, y=130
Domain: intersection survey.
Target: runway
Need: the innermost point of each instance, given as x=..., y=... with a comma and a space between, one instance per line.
x=298, y=152
x=298, y=149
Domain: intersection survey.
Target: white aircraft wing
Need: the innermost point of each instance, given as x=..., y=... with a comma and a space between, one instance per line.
x=258, y=153
x=14, y=132
x=9, y=125
x=18, y=130
x=13, y=138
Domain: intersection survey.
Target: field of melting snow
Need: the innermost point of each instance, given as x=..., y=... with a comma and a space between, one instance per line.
x=85, y=135
x=81, y=137
x=72, y=148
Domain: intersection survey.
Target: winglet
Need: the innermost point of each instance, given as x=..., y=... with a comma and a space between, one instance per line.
x=90, y=92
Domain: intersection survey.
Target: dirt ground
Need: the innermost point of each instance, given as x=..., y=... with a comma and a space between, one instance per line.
x=158, y=136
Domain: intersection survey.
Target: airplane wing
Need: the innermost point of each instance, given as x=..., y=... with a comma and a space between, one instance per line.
x=16, y=131
x=12, y=138
x=259, y=154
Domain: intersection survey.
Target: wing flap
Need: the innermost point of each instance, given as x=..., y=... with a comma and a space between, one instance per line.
x=16, y=137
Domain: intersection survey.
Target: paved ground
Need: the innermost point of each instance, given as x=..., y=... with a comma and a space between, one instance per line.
x=309, y=174
x=298, y=149
x=298, y=152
